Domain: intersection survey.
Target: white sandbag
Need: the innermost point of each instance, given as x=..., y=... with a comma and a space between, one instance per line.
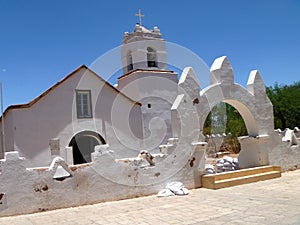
x=181, y=191
x=174, y=185
x=228, y=159
x=173, y=188
x=165, y=193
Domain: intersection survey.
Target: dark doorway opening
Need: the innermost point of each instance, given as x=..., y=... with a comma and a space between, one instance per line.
x=83, y=145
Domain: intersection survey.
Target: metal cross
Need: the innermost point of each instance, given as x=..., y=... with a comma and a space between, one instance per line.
x=140, y=15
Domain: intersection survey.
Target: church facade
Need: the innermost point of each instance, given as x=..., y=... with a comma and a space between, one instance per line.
x=83, y=110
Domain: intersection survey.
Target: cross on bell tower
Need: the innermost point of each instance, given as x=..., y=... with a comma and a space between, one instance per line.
x=143, y=49
x=140, y=15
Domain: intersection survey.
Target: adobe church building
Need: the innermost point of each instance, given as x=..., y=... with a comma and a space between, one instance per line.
x=83, y=141
x=83, y=110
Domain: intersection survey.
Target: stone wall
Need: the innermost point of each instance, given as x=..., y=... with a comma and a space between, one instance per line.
x=285, y=151
x=284, y=147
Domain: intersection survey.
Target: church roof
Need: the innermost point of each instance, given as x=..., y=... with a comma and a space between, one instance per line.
x=28, y=105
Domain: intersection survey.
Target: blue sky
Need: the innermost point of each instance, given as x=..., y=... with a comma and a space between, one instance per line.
x=42, y=41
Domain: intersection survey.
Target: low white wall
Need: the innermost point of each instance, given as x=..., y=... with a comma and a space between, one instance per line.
x=285, y=151
x=28, y=190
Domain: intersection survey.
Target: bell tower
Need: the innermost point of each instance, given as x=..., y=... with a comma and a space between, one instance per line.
x=143, y=49
x=146, y=79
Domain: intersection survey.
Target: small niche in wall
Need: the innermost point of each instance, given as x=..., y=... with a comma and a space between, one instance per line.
x=54, y=146
x=149, y=106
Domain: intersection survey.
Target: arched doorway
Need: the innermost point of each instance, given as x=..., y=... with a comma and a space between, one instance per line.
x=252, y=104
x=83, y=144
x=257, y=119
x=222, y=127
x=225, y=124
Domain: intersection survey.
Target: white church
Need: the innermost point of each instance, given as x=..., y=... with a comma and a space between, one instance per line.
x=83, y=110
x=83, y=135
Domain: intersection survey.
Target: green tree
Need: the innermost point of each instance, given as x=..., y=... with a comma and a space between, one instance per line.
x=286, y=105
x=224, y=118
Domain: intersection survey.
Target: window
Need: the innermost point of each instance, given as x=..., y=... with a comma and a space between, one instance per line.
x=149, y=106
x=83, y=104
x=151, y=57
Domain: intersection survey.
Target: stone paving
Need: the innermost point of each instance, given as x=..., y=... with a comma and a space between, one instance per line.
x=274, y=201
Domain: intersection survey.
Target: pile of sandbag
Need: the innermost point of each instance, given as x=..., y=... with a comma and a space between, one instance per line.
x=173, y=188
x=226, y=164
x=209, y=169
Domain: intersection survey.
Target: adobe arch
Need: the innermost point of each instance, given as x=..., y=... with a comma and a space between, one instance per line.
x=252, y=103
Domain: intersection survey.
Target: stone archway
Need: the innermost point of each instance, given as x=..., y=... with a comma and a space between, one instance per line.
x=252, y=103
x=83, y=144
x=222, y=126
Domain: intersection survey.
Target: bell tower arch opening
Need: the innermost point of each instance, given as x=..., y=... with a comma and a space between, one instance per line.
x=151, y=57
x=129, y=61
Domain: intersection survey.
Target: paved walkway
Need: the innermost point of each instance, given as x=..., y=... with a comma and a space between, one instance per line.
x=274, y=201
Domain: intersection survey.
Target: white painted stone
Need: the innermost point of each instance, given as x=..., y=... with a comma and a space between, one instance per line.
x=221, y=71
x=164, y=148
x=61, y=173
x=176, y=128
x=290, y=137
x=189, y=84
x=254, y=151
x=13, y=156
x=255, y=84
x=285, y=150
x=60, y=168
x=68, y=155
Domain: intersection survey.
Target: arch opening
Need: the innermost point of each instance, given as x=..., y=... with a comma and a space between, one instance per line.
x=83, y=145
x=223, y=125
x=129, y=61
x=151, y=57
x=226, y=121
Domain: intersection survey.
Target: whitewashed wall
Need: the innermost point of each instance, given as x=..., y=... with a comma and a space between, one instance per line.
x=28, y=190
x=158, y=89
x=28, y=130
x=285, y=151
